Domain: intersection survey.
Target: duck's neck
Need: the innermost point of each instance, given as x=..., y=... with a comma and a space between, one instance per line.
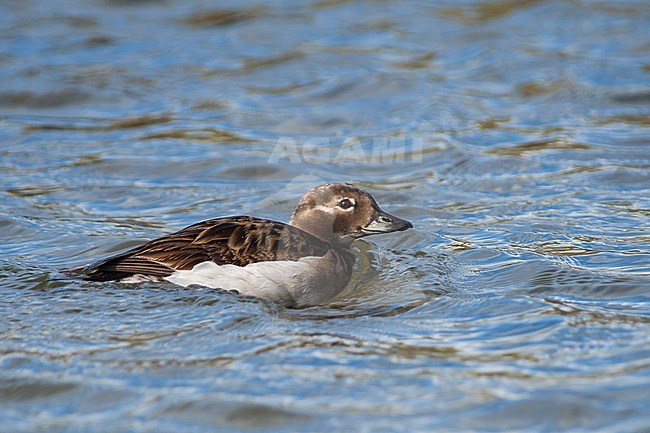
x=320, y=224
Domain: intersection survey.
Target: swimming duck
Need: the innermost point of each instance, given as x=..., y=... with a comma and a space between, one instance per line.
x=303, y=263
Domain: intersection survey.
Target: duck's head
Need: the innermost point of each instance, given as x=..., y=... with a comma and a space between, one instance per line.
x=342, y=212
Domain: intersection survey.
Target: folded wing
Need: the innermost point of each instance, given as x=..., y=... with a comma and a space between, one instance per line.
x=239, y=241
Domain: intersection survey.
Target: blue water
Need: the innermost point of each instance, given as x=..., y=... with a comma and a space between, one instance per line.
x=513, y=134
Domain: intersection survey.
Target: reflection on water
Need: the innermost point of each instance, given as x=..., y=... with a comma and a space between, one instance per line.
x=514, y=134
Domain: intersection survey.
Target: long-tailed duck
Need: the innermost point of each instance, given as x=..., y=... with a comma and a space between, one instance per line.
x=303, y=263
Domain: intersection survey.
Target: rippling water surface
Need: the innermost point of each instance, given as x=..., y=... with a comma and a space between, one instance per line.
x=514, y=134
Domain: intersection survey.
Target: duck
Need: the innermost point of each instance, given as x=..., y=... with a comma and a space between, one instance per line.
x=305, y=262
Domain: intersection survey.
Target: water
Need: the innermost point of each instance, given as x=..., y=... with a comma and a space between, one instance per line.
x=519, y=150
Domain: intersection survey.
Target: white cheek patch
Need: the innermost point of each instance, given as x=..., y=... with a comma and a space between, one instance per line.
x=325, y=209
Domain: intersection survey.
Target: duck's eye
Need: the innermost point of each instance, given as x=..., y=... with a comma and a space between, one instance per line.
x=346, y=203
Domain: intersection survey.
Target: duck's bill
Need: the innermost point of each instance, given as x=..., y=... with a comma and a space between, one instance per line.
x=385, y=223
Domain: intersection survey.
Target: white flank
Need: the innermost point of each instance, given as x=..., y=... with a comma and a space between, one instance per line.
x=307, y=281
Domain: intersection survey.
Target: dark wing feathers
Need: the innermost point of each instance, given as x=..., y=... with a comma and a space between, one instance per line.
x=237, y=240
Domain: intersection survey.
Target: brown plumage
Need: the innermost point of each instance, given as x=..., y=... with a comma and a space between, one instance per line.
x=238, y=240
